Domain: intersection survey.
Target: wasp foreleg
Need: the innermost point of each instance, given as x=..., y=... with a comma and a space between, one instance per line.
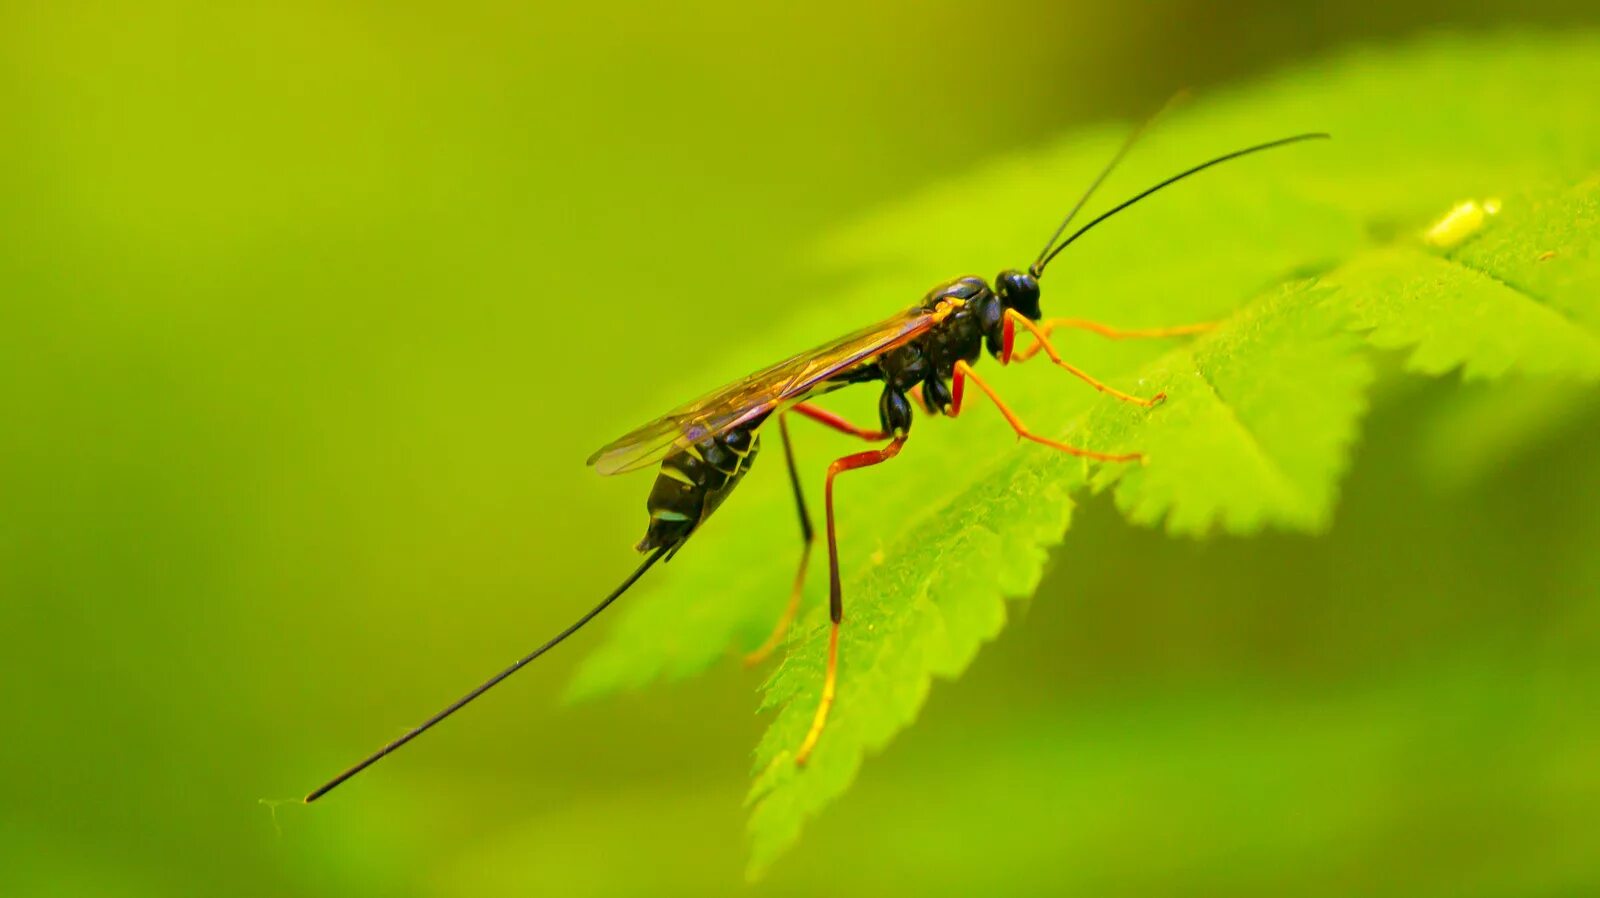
x=1007, y=341
x=964, y=372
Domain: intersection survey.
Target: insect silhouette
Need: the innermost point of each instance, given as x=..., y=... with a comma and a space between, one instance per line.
x=925, y=353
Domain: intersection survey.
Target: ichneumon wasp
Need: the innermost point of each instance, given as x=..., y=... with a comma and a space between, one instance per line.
x=925, y=353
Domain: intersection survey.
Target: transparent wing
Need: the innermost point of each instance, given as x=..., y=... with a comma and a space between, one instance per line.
x=756, y=395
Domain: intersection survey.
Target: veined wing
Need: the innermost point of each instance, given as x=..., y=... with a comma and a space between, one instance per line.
x=758, y=394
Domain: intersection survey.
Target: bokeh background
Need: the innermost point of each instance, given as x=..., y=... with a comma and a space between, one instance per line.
x=310, y=312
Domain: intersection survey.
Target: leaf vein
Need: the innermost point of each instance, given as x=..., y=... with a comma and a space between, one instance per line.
x=1281, y=477
x=1542, y=302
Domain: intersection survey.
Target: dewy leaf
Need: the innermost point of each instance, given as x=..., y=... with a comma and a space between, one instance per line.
x=1304, y=255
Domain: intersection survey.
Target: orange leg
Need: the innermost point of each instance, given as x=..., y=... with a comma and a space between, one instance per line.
x=1045, y=328
x=1008, y=340
x=964, y=372
x=835, y=593
x=807, y=535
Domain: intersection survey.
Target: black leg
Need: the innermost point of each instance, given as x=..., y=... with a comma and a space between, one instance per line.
x=808, y=538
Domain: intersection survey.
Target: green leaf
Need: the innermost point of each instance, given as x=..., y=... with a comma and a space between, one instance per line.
x=1259, y=418
x=1307, y=256
x=1521, y=297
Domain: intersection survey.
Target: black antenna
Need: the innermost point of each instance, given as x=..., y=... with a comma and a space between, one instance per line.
x=488, y=684
x=1038, y=267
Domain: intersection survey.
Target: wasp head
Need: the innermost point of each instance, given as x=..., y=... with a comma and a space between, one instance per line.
x=1019, y=290
x=1012, y=290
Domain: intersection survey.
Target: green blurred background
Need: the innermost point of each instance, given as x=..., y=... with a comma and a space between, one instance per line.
x=310, y=312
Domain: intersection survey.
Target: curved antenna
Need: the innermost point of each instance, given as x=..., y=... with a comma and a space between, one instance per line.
x=1038, y=268
x=488, y=684
x=1038, y=264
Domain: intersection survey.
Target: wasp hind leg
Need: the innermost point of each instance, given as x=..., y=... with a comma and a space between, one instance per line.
x=807, y=533
x=835, y=592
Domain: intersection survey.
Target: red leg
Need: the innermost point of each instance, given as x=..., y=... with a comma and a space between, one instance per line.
x=964, y=372
x=835, y=422
x=1008, y=339
x=835, y=592
x=829, y=419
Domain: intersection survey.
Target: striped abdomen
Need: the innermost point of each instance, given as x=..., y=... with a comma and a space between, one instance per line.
x=694, y=481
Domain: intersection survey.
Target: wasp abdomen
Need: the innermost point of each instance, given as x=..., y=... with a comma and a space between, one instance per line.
x=694, y=481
